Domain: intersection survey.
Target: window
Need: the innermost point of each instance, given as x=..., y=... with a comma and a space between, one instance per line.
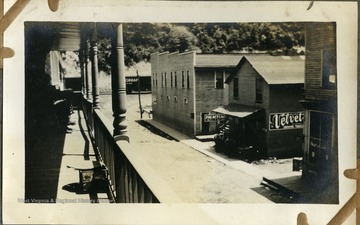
x=162, y=80
x=165, y=80
x=328, y=61
x=171, y=79
x=175, y=80
x=156, y=80
x=153, y=79
x=259, y=90
x=187, y=79
x=186, y=101
x=182, y=79
x=236, y=88
x=175, y=99
x=321, y=136
x=219, y=80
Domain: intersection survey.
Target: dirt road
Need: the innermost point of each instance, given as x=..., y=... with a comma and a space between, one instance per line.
x=195, y=177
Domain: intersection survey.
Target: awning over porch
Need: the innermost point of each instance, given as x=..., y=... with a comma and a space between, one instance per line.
x=236, y=110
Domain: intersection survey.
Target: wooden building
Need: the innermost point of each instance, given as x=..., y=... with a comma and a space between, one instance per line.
x=187, y=86
x=264, y=115
x=320, y=161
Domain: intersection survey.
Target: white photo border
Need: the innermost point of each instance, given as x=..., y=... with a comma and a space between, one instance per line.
x=343, y=13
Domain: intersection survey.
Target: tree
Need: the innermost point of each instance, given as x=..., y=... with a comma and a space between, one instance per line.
x=142, y=39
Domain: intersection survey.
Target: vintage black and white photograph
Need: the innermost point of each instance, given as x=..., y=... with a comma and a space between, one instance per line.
x=152, y=113
x=220, y=107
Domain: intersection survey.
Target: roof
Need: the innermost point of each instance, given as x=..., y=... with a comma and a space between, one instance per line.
x=142, y=68
x=276, y=69
x=236, y=110
x=217, y=60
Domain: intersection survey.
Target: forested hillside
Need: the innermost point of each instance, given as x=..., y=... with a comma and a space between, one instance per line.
x=142, y=39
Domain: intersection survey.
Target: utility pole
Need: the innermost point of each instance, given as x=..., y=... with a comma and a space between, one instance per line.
x=138, y=86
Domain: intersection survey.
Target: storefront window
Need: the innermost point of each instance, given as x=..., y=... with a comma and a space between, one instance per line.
x=321, y=137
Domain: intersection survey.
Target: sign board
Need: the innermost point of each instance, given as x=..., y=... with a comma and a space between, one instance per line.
x=213, y=117
x=131, y=79
x=286, y=120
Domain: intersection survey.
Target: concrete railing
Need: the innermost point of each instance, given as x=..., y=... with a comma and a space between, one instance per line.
x=132, y=180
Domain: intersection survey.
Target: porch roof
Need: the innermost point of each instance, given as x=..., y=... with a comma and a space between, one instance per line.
x=237, y=110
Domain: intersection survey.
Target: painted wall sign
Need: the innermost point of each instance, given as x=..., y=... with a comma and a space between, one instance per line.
x=213, y=117
x=286, y=120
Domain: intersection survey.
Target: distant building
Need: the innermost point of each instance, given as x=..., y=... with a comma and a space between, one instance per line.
x=141, y=69
x=321, y=140
x=264, y=113
x=187, y=86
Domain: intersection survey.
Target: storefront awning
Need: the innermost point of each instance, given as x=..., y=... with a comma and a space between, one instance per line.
x=236, y=110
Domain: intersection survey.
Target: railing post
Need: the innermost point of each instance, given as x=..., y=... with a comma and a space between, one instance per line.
x=95, y=72
x=118, y=84
x=87, y=69
x=82, y=72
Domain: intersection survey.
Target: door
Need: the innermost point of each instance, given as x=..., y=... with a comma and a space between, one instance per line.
x=205, y=126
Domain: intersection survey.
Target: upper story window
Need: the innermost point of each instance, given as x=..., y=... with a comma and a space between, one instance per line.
x=219, y=80
x=165, y=80
x=153, y=79
x=156, y=80
x=236, y=88
x=259, y=90
x=328, y=68
x=162, y=80
x=187, y=79
x=175, y=80
x=171, y=79
x=182, y=79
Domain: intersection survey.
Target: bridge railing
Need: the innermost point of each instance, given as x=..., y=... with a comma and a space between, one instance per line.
x=132, y=180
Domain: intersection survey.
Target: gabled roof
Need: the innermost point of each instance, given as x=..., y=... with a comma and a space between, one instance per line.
x=217, y=60
x=275, y=69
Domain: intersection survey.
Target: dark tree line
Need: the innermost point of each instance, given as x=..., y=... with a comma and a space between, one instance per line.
x=142, y=39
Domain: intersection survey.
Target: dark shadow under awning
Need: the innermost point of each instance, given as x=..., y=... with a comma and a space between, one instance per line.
x=237, y=110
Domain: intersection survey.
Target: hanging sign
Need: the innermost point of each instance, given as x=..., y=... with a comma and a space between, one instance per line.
x=286, y=120
x=213, y=117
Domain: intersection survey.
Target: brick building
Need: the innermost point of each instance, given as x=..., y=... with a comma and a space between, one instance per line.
x=187, y=86
x=264, y=113
x=320, y=161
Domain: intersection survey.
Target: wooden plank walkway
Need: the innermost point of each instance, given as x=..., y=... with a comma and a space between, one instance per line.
x=48, y=177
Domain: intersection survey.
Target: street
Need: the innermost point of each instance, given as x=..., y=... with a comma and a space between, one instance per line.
x=195, y=177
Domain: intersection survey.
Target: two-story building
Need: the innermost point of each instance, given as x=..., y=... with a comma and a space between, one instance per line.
x=320, y=160
x=264, y=114
x=257, y=95
x=187, y=86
